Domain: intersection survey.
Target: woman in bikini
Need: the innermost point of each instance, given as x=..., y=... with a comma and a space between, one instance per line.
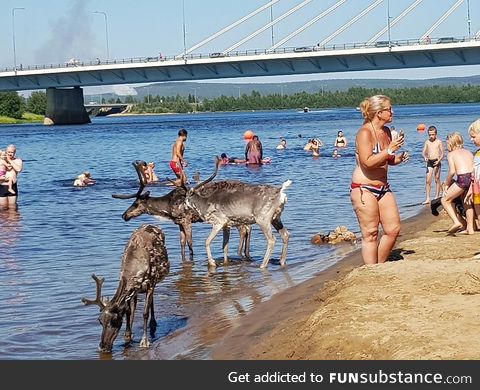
x=460, y=163
x=372, y=199
x=340, y=141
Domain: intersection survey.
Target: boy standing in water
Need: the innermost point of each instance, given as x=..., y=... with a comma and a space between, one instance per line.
x=433, y=154
x=177, y=163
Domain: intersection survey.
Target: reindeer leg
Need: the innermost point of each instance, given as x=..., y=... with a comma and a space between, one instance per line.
x=130, y=314
x=248, y=235
x=153, y=322
x=226, y=239
x=278, y=225
x=241, y=241
x=215, y=230
x=146, y=312
x=267, y=231
x=188, y=234
x=183, y=241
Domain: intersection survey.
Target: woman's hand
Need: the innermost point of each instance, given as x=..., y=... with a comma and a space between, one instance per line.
x=396, y=144
x=404, y=157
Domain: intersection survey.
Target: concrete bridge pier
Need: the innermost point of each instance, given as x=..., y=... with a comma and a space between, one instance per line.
x=65, y=106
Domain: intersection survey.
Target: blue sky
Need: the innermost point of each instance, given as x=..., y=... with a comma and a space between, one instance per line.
x=52, y=31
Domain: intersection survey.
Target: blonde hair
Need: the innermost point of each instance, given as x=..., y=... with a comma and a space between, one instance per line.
x=455, y=140
x=474, y=127
x=370, y=106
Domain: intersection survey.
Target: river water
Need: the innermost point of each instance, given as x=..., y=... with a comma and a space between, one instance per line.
x=61, y=234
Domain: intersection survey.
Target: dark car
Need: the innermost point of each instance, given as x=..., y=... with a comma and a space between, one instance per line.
x=303, y=49
x=385, y=44
x=217, y=55
x=448, y=40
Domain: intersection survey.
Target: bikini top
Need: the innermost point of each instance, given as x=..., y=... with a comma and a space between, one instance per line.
x=340, y=141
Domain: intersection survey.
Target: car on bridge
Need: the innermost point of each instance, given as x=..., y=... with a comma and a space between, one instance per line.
x=448, y=40
x=303, y=49
x=385, y=44
x=217, y=55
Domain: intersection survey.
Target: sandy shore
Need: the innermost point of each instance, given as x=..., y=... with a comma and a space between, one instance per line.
x=424, y=306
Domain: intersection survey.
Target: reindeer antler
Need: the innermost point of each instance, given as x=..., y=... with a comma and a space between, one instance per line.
x=212, y=176
x=138, y=164
x=98, y=299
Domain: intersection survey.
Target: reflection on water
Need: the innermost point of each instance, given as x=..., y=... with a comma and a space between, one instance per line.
x=61, y=235
x=10, y=231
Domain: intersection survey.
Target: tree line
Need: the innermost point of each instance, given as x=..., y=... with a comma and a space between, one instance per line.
x=14, y=105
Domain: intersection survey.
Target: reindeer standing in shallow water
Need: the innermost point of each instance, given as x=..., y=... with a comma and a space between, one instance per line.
x=144, y=264
x=173, y=207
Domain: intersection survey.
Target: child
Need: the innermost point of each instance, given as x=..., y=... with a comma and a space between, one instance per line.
x=432, y=154
x=83, y=180
x=474, y=133
x=150, y=173
x=4, y=176
x=460, y=163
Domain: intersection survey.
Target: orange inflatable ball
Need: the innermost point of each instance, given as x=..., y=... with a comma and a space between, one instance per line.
x=248, y=134
x=421, y=127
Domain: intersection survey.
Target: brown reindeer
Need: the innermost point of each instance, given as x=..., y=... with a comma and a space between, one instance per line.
x=173, y=207
x=144, y=264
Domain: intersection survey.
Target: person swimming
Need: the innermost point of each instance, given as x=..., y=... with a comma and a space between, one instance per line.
x=225, y=160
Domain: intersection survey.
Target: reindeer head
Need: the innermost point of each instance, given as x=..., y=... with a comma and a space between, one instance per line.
x=138, y=207
x=111, y=317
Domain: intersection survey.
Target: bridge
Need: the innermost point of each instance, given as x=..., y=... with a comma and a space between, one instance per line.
x=64, y=81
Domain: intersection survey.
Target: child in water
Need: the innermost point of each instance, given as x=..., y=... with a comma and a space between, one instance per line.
x=5, y=167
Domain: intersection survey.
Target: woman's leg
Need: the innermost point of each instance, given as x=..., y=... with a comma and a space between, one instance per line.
x=390, y=220
x=454, y=191
x=368, y=219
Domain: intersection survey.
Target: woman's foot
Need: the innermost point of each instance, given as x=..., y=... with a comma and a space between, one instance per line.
x=427, y=201
x=466, y=232
x=454, y=229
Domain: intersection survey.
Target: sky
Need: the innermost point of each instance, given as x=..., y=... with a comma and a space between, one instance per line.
x=53, y=31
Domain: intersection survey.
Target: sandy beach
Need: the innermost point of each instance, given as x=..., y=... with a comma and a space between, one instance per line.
x=424, y=304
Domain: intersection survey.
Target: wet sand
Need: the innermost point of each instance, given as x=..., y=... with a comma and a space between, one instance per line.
x=424, y=306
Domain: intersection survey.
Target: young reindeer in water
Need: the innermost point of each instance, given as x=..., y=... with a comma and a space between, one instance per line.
x=144, y=264
x=173, y=207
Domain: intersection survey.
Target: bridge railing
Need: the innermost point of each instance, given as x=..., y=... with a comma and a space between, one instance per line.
x=74, y=63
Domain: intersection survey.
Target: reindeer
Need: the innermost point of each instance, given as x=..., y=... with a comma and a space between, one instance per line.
x=144, y=264
x=172, y=206
x=232, y=203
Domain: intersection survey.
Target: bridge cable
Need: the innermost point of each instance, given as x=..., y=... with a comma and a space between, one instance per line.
x=394, y=21
x=228, y=28
x=359, y=16
x=268, y=25
x=311, y=22
x=439, y=21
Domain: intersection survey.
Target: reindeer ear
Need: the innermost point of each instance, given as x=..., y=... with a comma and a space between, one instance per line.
x=145, y=195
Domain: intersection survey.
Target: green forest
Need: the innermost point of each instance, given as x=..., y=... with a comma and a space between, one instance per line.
x=350, y=98
x=12, y=105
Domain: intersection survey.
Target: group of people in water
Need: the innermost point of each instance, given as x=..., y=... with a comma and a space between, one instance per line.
x=314, y=144
x=376, y=148
x=373, y=201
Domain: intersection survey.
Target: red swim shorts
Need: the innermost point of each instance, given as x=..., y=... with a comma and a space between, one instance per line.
x=176, y=168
